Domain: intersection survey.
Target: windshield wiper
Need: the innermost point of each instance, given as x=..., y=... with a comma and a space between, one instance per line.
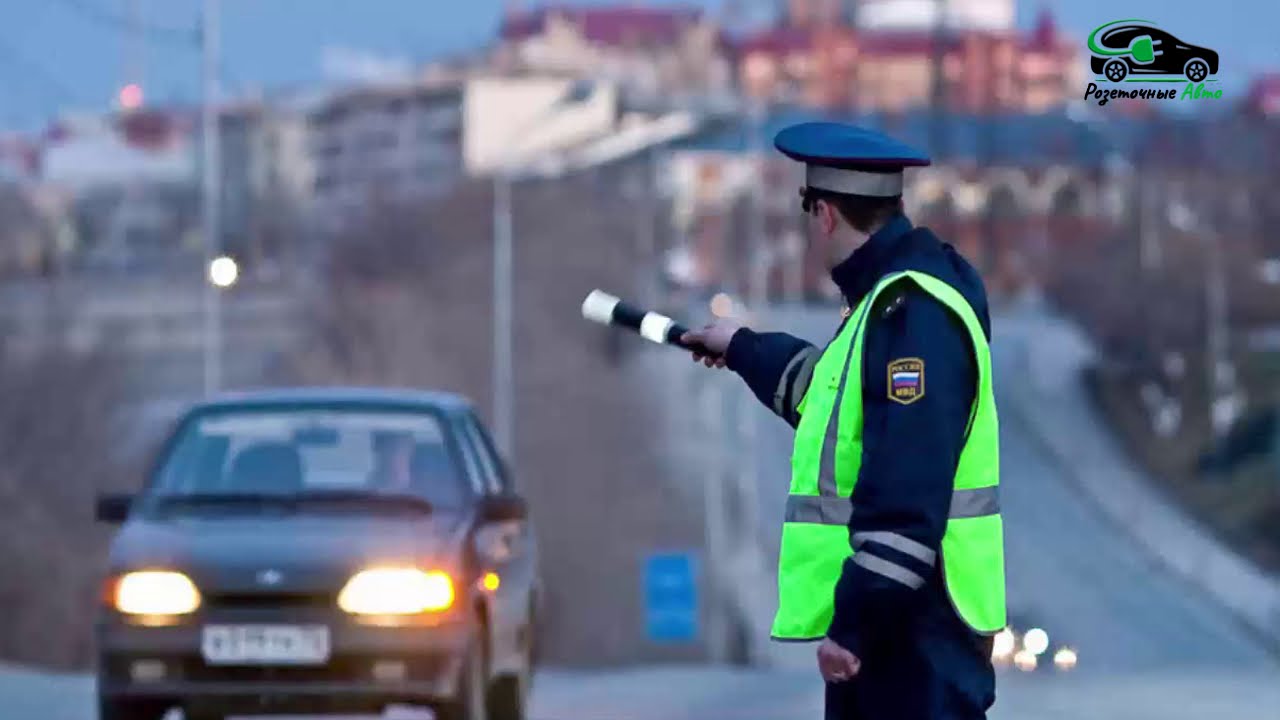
x=223, y=502
x=392, y=499
x=224, y=498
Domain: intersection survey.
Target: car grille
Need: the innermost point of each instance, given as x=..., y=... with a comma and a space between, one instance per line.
x=282, y=600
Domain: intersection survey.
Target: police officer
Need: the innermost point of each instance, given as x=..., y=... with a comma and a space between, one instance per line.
x=892, y=547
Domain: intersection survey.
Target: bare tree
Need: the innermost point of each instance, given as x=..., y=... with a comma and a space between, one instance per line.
x=59, y=439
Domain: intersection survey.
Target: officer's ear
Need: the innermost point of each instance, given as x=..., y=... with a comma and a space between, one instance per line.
x=827, y=216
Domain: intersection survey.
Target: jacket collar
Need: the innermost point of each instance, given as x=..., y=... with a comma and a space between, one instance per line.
x=858, y=273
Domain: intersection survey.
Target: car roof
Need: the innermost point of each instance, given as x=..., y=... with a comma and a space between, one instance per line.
x=319, y=396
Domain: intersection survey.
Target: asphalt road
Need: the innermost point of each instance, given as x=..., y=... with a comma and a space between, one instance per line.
x=1149, y=646
x=702, y=693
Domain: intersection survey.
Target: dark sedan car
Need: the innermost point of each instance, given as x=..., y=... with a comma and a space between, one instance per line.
x=320, y=550
x=1122, y=50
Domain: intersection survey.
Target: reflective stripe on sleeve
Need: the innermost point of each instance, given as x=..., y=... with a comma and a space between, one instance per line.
x=901, y=543
x=893, y=571
x=800, y=383
x=780, y=394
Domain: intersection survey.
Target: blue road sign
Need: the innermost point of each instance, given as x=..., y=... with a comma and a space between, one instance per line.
x=671, y=597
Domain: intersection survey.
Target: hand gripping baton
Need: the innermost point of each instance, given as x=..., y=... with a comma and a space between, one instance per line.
x=603, y=308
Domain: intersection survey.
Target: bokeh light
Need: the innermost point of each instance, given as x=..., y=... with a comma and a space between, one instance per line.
x=721, y=305
x=1036, y=641
x=223, y=272
x=131, y=96
x=1065, y=658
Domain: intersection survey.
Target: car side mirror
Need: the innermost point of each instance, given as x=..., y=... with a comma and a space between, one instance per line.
x=113, y=508
x=503, y=508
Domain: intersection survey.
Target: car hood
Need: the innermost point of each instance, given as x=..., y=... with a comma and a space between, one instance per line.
x=294, y=553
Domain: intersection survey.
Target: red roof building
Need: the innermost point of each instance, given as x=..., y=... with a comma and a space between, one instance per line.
x=839, y=67
x=615, y=26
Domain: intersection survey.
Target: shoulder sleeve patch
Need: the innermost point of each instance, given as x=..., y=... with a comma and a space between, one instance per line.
x=906, y=380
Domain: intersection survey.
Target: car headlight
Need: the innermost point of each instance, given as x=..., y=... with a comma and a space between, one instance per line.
x=396, y=591
x=1036, y=641
x=155, y=592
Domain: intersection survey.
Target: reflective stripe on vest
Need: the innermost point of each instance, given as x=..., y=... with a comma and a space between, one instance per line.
x=836, y=510
x=825, y=464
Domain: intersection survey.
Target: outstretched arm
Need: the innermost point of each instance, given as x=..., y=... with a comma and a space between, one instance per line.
x=776, y=366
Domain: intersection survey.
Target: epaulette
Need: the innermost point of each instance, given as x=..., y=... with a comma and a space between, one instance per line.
x=893, y=304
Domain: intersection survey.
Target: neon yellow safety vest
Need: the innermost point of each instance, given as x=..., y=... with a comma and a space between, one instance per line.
x=824, y=470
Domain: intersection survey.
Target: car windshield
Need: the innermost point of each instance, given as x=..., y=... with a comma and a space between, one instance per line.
x=252, y=456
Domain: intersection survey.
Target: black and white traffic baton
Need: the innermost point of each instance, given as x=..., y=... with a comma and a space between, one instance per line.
x=606, y=309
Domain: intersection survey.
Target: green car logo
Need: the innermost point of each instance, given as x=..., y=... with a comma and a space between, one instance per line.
x=1138, y=51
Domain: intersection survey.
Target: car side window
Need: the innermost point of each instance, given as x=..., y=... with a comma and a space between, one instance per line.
x=493, y=477
x=489, y=470
x=487, y=450
x=475, y=475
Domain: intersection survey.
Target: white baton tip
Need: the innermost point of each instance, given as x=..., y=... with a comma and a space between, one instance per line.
x=653, y=327
x=598, y=307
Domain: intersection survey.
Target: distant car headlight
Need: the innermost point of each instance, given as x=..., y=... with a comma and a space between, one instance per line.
x=396, y=591
x=155, y=592
x=1003, y=645
x=1036, y=641
x=1025, y=661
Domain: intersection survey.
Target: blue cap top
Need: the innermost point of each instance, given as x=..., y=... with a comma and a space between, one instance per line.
x=849, y=159
x=846, y=146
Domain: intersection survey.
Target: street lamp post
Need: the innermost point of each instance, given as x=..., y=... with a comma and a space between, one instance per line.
x=210, y=170
x=503, y=372
x=503, y=262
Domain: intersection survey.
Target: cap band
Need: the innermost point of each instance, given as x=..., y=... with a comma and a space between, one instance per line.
x=853, y=182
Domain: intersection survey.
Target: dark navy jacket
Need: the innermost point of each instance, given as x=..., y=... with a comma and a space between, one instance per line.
x=919, y=660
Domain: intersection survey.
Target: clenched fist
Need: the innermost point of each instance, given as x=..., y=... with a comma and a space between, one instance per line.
x=715, y=337
x=835, y=663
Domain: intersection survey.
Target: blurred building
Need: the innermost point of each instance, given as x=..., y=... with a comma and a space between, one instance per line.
x=922, y=15
x=816, y=13
x=395, y=141
x=19, y=158
x=888, y=62
x=129, y=184
x=267, y=170
x=553, y=126
x=129, y=181
x=648, y=51
x=509, y=121
x=25, y=238
x=139, y=147
x=1263, y=96
x=1003, y=205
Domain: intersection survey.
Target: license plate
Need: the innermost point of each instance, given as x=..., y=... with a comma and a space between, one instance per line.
x=265, y=644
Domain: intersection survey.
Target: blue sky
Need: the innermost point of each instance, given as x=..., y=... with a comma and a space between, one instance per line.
x=57, y=55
